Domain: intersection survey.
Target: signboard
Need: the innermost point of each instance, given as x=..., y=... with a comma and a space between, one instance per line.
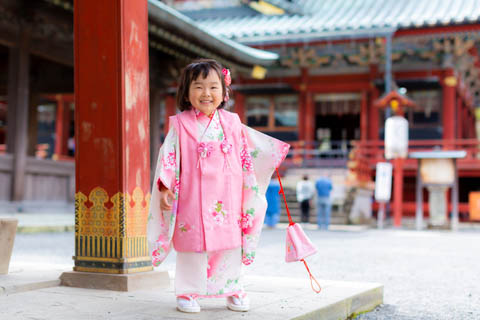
x=383, y=182
x=396, y=137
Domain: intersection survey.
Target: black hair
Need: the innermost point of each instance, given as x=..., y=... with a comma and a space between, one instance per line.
x=191, y=73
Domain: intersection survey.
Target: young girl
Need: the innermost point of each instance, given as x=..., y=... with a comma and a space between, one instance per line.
x=209, y=192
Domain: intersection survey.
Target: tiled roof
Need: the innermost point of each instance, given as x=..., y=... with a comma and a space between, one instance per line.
x=324, y=19
x=234, y=12
x=167, y=17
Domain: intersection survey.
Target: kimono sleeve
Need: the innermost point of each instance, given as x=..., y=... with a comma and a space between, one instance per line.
x=160, y=223
x=260, y=155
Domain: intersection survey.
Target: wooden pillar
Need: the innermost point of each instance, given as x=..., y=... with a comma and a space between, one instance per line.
x=18, y=105
x=449, y=82
x=61, y=126
x=302, y=100
x=397, y=191
x=170, y=106
x=459, y=117
x=301, y=115
x=309, y=119
x=467, y=125
x=240, y=106
x=473, y=127
x=32, y=125
x=374, y=116
x=67, y=118
x=472, y=124
x=373, y=111
x=112, y=139
x=364, y=117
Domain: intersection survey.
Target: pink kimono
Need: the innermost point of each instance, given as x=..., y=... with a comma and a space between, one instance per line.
x=219, y=173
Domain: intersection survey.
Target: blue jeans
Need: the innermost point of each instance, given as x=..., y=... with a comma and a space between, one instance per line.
x=271, y=218
x=324, y=208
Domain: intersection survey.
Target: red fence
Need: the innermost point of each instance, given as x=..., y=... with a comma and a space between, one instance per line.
x=373, y=152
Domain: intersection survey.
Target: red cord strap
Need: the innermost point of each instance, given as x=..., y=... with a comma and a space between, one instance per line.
x=284, y=198
x=313, y=281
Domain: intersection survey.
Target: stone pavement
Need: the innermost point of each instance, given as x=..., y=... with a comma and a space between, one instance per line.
x=428, y=275
x=272, y=297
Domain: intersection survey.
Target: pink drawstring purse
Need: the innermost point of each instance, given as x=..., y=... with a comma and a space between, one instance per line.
x=298, y=245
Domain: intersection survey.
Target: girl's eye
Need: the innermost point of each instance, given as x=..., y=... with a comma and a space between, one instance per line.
x=214, y=87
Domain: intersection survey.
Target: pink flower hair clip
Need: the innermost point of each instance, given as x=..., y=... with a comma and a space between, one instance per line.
x=228, y=81
x=226, y=75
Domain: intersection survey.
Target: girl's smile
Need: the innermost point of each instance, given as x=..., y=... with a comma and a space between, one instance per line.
x=206, y=94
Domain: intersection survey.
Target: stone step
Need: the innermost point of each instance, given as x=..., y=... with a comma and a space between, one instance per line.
x=271, y=298
x=338, y=216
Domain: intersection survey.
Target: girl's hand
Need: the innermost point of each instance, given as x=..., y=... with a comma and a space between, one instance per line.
x=165, y=202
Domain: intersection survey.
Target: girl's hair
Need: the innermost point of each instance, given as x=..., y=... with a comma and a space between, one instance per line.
x=191, y=73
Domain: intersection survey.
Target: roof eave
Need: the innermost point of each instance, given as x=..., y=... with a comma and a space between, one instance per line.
x=318, y=36
x=231, y=50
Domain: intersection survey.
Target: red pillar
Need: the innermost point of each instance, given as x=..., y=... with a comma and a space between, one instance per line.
x=301, y=115
x=170, y=104
x=397, y=192
x=309, y=119
x=373, y=115
x=449, y=83
x=372, y=111
x=364, y=117
x=240, y=106
x=468, y=124
x=112, y=136
x=302, y=118
x=471, y=123
x=460, y=117
x=62, y=124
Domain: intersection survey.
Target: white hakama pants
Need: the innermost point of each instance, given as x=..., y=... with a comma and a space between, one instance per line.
x=209, y=274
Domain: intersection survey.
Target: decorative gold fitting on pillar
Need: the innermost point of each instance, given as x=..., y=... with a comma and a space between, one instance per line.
x=111, y=232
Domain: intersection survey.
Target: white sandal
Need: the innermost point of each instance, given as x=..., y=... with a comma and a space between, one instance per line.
x=238, y=302
x=187, y=304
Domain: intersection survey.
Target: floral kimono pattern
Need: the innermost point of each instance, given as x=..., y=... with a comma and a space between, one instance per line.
x=259, y=155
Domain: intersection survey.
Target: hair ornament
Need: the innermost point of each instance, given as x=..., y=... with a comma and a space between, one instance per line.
x=226, y=76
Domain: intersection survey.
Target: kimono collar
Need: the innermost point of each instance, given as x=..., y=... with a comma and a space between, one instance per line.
x=188, y=119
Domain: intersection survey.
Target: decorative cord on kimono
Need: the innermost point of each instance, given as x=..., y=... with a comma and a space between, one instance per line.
x=312, y=278
x=204, y=149
x=226, y=148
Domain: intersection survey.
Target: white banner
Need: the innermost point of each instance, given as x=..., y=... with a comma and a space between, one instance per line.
x=383, y=181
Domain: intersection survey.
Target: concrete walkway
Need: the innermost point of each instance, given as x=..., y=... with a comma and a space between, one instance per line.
x=43, y=222
x=271, y=298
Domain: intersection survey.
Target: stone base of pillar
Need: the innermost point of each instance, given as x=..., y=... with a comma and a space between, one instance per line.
x=116, y=282
x=437, y=202
x=8, y=229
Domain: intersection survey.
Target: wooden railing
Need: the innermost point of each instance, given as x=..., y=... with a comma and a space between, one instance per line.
x=373, y=151
x=318, y=154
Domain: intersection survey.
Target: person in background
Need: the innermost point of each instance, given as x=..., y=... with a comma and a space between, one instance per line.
x=305, y=192
x=324, y=204
x=273, y=198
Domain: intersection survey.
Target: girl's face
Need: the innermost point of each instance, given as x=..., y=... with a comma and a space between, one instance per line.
x=205, y=94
